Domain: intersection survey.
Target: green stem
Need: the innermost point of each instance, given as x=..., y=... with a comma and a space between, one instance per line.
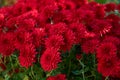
x=32, y=73
x=90, y=76
x=94, y=61
x=4, y=60
x=1, y=59
x=31, y=76
x=69, y=68
x=11, y=63
x=49, y=73
x=83, y=75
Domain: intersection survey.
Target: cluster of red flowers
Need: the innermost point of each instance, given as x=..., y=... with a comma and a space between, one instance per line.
x=48, y=27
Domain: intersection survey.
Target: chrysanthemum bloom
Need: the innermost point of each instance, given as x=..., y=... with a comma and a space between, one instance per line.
x=90, y=46
x=55, y=41
x=108, y=66
x=22, y=37
x=118, y=7
x=29, y=6
x=27, y=24
x=106, y=50
x=61, y=76
x=68, y=35
x=6, y=44
x=113, y=18
x=49, y=10
x=113, y=39
x=101, y=27
x=80, y=2
x=69, y=5
x=79, y=31
x=18, y=8
x=50, y=59
x=59, y=29
x=57, y=77
x=10, y=23
x=69, y=40
x=86, y=14
x=117, y=71
x=110, y=7
x=27, y=55
x=30, y=14
x=51, y=78
x=1, y=19
x=38, y=37
x=116, y=30
x=100, y=11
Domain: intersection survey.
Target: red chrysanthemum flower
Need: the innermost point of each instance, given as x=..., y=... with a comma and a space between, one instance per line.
x=112, y=39
x=69, y=5
x=79, y=31
x=57, y=77
x=55, y=41
x=69, y=40
x=27, y=24
x=22, y=37
x=90, y=46
x=6, y=44
x=50, y=59
x=108, y=66
x=110, y=7
x=49, y=10
x=30, y=14
x=113, y=18
x=106, y=50
x=101, y=27
x=80, y=2
x=118, y=7
x=116, y=29
x=38, y=37
x=85, y=14
x=18, y=8
x=100, y=11
x=1, y=19
x=61, y=76
x=10, y=23
x=59, y=28
x=51, y=78
x=29, y=6
x=27, y=55
x=118, y=52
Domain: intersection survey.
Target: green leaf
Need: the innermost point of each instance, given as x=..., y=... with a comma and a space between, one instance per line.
x=101, y=1
x=77, y=72
x=7, y=77
x=26, y=77
x=98, y=76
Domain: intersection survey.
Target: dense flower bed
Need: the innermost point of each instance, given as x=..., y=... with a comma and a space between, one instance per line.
x=52, y=33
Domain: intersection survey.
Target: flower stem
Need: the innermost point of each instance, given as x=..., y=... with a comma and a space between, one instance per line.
x=69, y=68
x=11, y=63
x=83, y=75
x=49, y=73
x=32, y=73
